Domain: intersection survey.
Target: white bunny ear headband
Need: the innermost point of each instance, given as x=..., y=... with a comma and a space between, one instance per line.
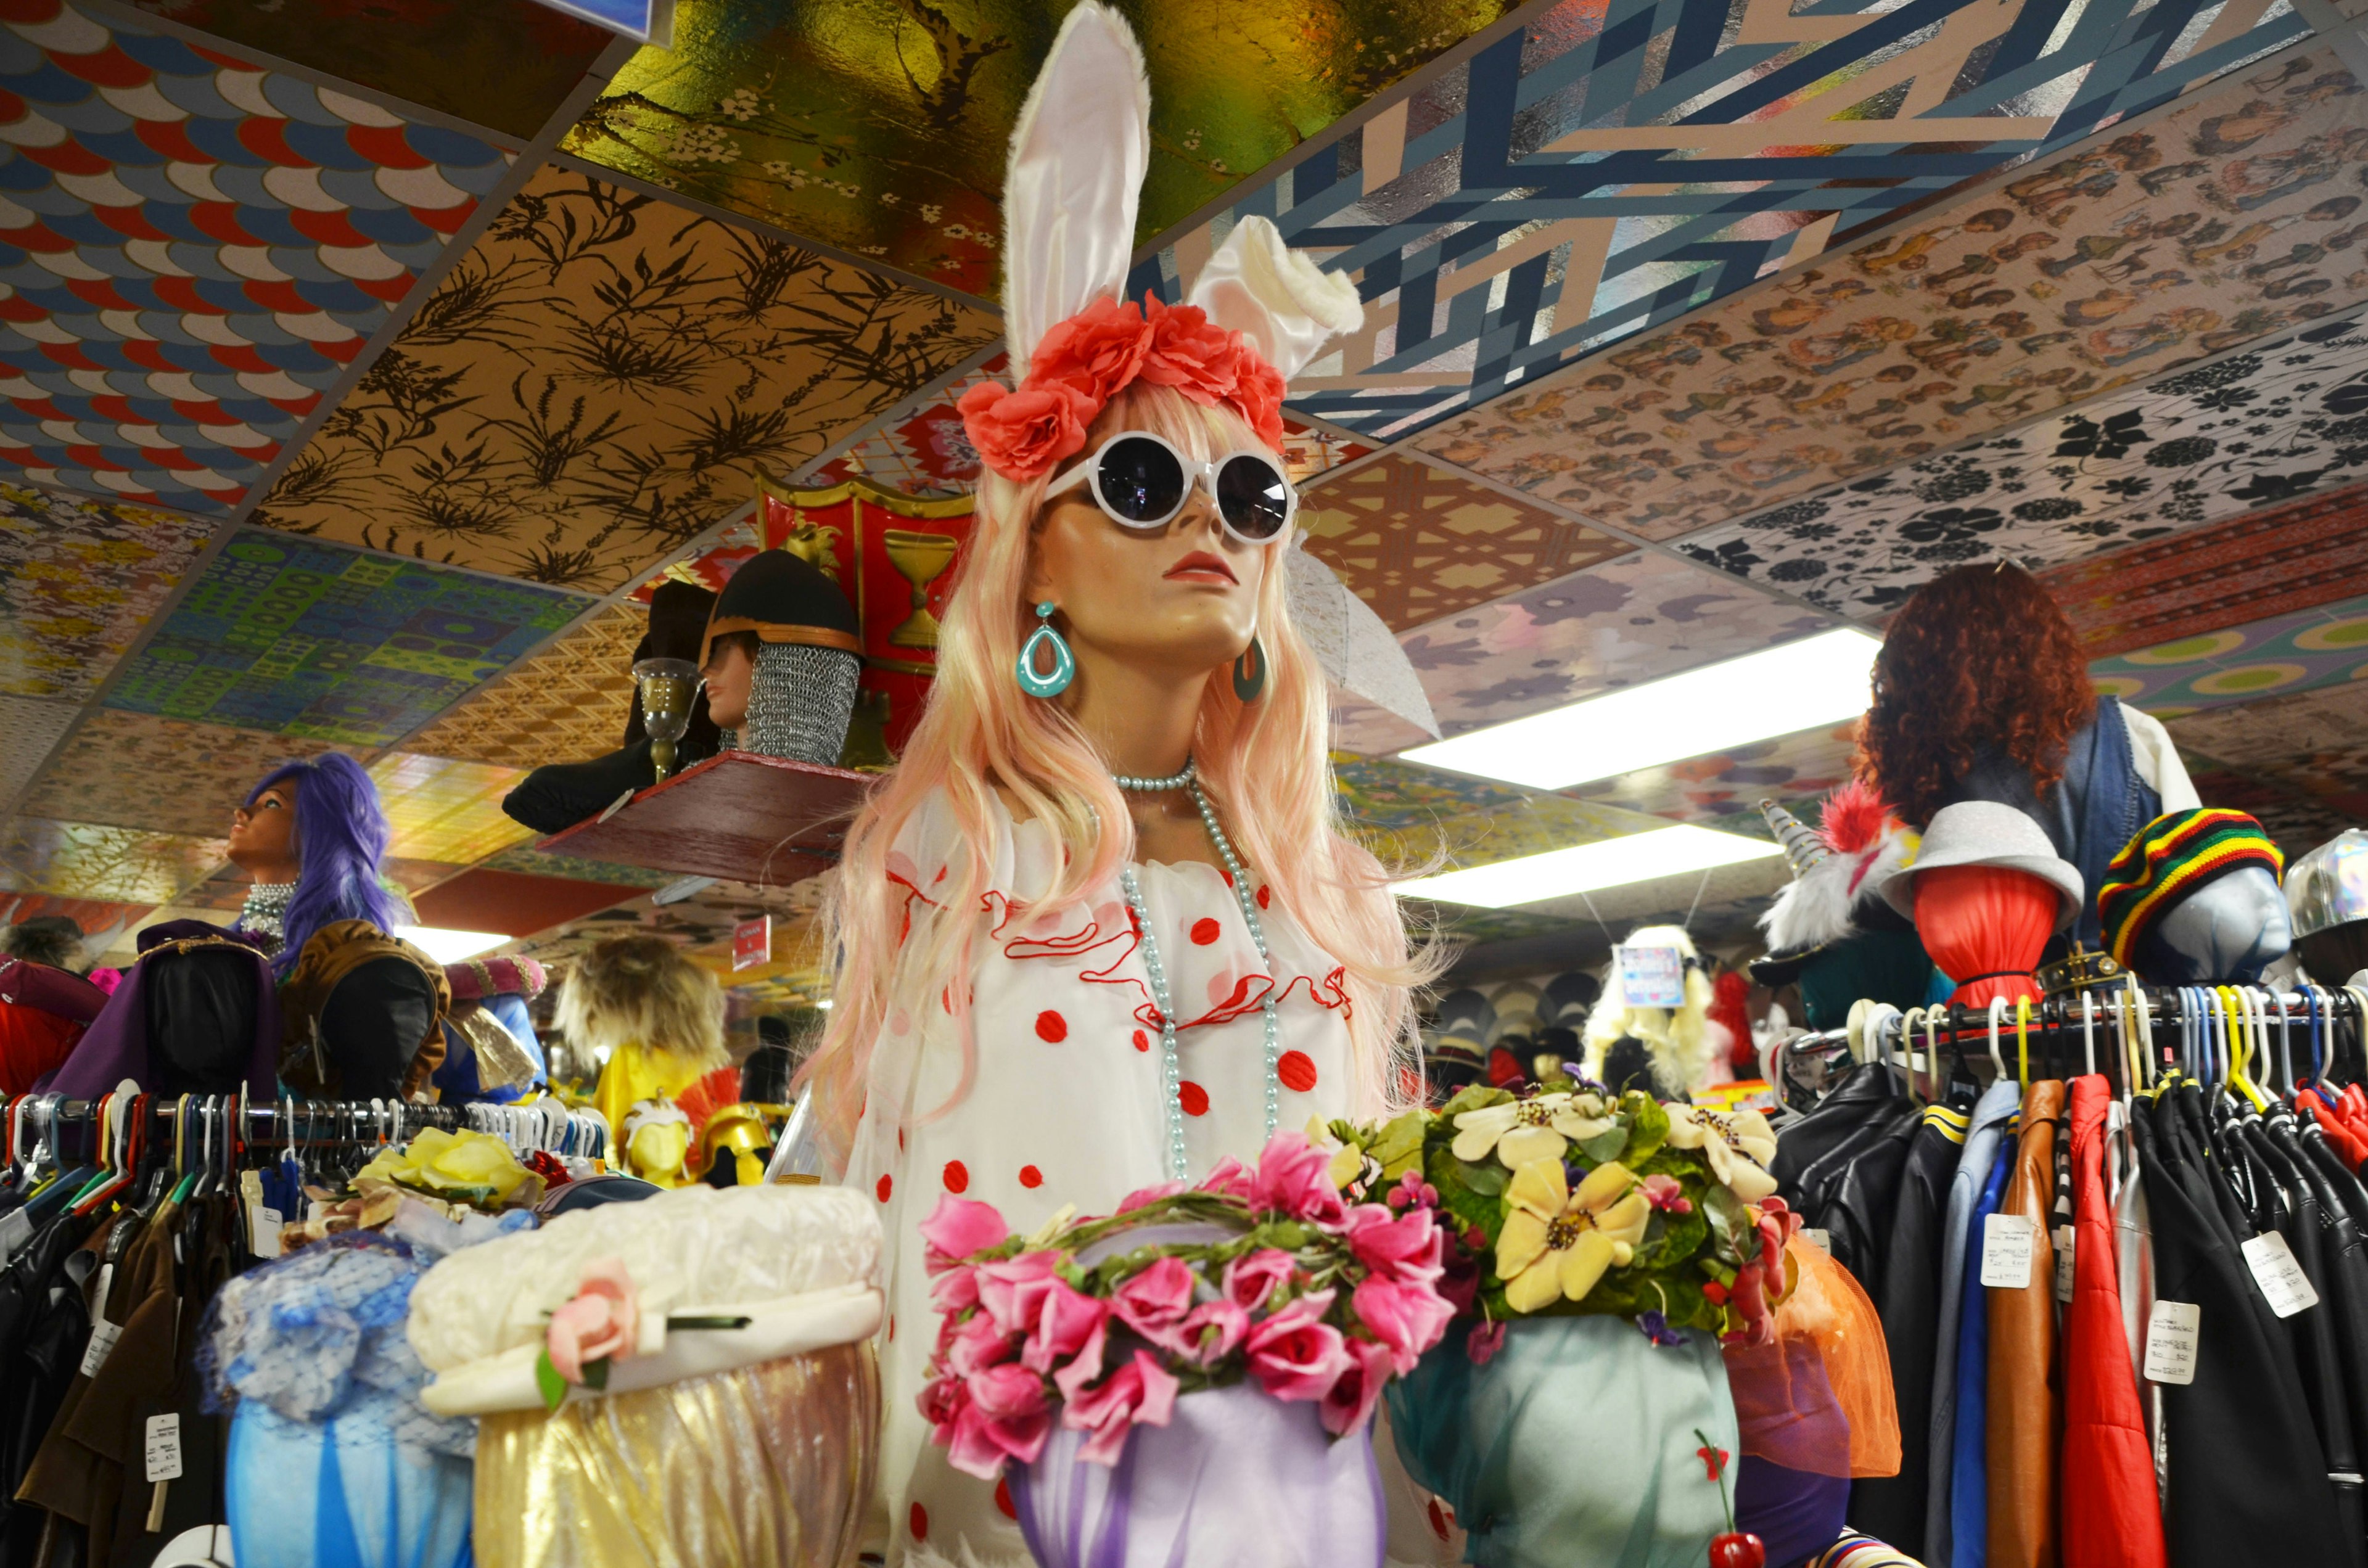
x=1256, y=315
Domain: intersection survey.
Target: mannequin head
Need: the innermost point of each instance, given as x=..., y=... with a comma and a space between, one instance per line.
x=730, y=670
x=1978, y=657
x=332, y=852
x=984, y=743
x=2224, y=933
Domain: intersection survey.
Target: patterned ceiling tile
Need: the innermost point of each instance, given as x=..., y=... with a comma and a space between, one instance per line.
x=701, y=923
x=534, y=862
x=592, y=385
x=225, y=888
x=2227, y=220
x=1723, y=784
x=29, y=729
x=1410, y=815
x=1370, y=731
x=316, y=640
x=193, y=252
x=119, y=864
x=506, y=64
x=2324, y=646
x=1623, y=161
x=1633, y=620
x=444, y=810
x=2255, y=429
x=97, y=917
x=78, y=582
x=882, y=126
x=1418, y=543
x=2297, y=822
x=564, y=704
x=2265, y=562
x=165, y=775
x=2279, y=728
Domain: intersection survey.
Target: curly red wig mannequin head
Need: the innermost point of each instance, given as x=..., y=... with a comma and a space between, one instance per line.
x=1979, y=656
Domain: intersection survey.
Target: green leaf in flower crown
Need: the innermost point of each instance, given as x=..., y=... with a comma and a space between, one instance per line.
x=548, y=1382
x=1472, y=1097
x=1488, y=1179
x=1648, y=1127
x=1727, y=1216
x=1607, y=1145
x=1468, y=1208
x=1399, y=1147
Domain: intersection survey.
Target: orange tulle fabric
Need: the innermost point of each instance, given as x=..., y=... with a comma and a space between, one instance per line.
x=1985, y=920
x=1818, y=1399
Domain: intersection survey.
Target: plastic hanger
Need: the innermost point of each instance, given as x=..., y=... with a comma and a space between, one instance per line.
x=2022, y=1042
x=2087, y=1034
x=1997, y=1061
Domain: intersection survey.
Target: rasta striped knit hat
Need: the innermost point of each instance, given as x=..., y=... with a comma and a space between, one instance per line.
x=2170, y=858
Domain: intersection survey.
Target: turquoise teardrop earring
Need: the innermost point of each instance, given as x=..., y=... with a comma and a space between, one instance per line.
x=1036, y=682
x=1249, y=672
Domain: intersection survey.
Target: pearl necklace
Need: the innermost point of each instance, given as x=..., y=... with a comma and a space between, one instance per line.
x=1171, y=1073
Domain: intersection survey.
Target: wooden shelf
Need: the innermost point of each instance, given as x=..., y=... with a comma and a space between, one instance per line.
x=739, y=816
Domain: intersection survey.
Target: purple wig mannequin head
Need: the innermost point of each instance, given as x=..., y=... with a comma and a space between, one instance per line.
x=341, y=833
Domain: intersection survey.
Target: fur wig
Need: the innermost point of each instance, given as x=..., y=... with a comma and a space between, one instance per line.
x=1683, y=1042
x=642, y=989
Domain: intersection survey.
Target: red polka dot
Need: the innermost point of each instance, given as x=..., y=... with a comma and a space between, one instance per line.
x=1204, y=931
x=1003, y=1498
x=886, y=1185
x=919, y=1520
x=1141, y=1041
x=1050, y=1027
x=1192, y=1097
x=1031, y=1176
x=1266, y=895
x=1297, y=1071
x=958, y=1173
x=1437, y=1520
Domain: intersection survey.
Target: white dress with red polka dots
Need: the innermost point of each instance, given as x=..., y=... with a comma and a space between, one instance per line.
x=1065, y=1105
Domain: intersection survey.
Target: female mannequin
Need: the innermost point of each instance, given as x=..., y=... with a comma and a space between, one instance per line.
x=1019, y=927
x=310, y=837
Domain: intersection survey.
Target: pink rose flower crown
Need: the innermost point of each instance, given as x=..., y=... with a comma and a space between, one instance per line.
x=1301, y=1293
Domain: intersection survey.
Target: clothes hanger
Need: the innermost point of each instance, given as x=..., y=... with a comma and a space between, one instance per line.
x=1998, y=1062
x=2022, y=1042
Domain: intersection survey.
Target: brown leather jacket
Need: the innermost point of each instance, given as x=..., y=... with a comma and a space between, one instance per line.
x=2026, y=1390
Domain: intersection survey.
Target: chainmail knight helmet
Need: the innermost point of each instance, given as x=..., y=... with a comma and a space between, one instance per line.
x=803, y=690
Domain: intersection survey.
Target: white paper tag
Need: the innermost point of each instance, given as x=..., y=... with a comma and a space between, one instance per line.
x=15, y=1230
x=2063, y=1263
x=1821, y=1239
x=2172, y=1330
x=263, y=1231
x=2007, y=1246
x=162, y=1448
x=103, y=1335
x=2278, y=1274
x=1652, y=977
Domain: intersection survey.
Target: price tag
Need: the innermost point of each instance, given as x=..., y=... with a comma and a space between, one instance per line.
x=162, y=1448
x=2063, y=1263
x=1652, y=977
x=2172, y=1330
x=2279, y=1275
x=263, y=1230
x=2007, y=1245
x=1821, y=1239
x=103, y=1335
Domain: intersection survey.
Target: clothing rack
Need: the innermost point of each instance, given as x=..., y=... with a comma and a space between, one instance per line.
x=34, y=1119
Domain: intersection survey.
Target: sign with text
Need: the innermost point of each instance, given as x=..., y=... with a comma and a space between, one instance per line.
x=752, y=943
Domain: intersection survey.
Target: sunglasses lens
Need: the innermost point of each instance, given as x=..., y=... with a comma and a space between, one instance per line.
x=1141, y=481
x=1253, y=496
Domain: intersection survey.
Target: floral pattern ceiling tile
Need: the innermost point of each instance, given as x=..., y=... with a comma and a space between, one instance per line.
x=193, y=251
x=881, y=126
x=2234, y=217
x=29, y=730
x=594, y=384
x=308, y=639
x=2261, y=563
x=444, y=810
x=120, y=865
x=2315, y=743
x=79, y=581
x=166, y=774
x=2308, y=649
x=1623, y=161
x=564, y=704
x=505, y=65
x=2252, y=430
x=1410, y=815
x=1416, y=542
x=1722, y=784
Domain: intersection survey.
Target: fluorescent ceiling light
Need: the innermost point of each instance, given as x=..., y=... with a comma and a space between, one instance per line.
x=449, y=946
x=1588, y=868
x=1818, y=680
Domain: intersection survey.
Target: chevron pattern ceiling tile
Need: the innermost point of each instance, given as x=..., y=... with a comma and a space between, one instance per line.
x=567, y=703
x=165, y=775
x=1618, y=164
x=2251, y=431
x=193, y=251
x=1416, y=543
x=304, y=638
x=2324, y=646
x=2226, y=220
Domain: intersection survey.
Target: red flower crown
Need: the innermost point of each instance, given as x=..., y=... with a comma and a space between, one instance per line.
x=1086, y=360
